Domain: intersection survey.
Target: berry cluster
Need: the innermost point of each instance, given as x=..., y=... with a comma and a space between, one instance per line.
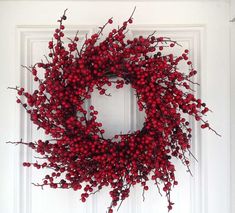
x=78, y=153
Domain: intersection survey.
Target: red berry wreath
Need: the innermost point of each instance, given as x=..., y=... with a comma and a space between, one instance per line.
x=78, y=152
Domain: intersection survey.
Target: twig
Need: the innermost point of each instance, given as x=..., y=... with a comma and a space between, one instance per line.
x=41, y=185
x=190, y=153
x=20, y=142
x=159, y=191
x=143, y=195
x=211, y=128
x=120, y=205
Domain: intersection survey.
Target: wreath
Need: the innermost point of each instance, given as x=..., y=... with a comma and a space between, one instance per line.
x=78, y=153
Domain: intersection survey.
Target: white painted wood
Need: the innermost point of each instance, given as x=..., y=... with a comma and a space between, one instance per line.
x=232, y=92
x=202, y=27
x=127, y=0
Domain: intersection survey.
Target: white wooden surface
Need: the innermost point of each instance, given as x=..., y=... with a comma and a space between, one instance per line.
x=232, y=80
x=201, y=26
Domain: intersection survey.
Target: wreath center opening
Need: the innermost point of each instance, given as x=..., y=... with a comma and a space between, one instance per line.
x=117, y=108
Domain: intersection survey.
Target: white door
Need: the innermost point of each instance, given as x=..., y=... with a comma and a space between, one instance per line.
x=232, y=79
x=201, y=26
